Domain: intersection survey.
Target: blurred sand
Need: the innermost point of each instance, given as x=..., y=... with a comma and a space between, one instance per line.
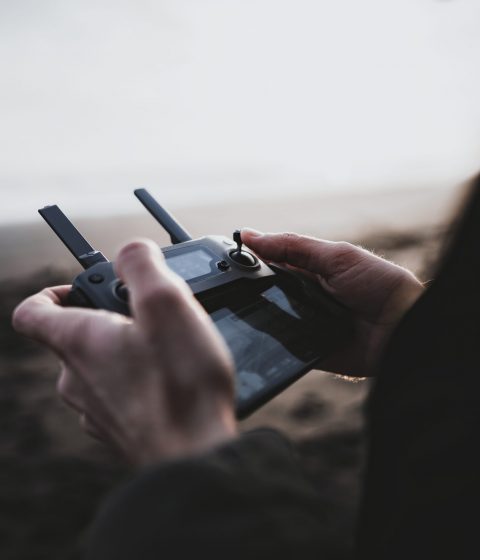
x=32, y=246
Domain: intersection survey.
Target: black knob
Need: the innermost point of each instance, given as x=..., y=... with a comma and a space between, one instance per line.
x=243, y=258
x=223, y=265
x=239, y=256
x=237, y=237
x=76, y=298
x=96, y=278
x=121, y=291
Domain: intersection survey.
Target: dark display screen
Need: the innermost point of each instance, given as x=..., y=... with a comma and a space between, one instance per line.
x=191, y=264
x=273, y=340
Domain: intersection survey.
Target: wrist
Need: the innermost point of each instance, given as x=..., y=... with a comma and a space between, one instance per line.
x=401, y=300
x=399, y=304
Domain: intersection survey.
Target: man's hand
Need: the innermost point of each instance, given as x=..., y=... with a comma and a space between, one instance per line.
x=157, y=385
x=377, y=292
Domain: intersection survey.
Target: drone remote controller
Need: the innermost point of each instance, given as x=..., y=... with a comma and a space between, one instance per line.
x=277, y=323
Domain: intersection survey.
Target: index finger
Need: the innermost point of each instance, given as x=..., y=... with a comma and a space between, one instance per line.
x=298, y=250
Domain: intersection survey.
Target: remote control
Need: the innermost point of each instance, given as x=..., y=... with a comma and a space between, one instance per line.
x=278, y=323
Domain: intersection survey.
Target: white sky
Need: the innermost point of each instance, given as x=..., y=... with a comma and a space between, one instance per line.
x=306, y=93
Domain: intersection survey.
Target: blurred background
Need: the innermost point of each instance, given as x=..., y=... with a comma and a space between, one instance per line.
x=346, y=120
x=210, y=101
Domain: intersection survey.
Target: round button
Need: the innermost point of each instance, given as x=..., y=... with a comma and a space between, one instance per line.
x=223, y=265
x=96, y=278
x=121, y=291
x=243, y=258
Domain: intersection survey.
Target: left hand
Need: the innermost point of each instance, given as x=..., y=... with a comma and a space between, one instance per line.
x=157, y=385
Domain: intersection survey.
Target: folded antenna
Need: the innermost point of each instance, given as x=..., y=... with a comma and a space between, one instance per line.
x=80, y=248
x=177, y=233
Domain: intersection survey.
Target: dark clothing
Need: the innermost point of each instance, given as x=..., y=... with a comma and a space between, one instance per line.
x=422, y=487
x=246, y=499
x=422, y=490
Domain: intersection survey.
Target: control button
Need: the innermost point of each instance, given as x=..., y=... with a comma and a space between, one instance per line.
x=223, y=265
x=241, y=257
x=121, y=291
x=96, y=278
x=76, y=298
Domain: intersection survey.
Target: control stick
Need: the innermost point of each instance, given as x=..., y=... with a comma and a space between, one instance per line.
x=239, y=256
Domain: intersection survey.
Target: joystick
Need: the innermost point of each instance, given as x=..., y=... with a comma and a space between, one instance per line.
x=277, y=323
x=242, y=257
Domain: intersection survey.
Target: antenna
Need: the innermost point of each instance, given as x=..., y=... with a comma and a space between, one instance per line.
x=80, y=248
x=164, y=218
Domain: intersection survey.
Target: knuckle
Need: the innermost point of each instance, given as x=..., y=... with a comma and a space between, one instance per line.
x=63, y=388
x=66, y=391
x=21, y=316
x=299, y=250
x=214, y=372
x=345, y=248
x=291, y=243
x=290, y=238
x=345, y=255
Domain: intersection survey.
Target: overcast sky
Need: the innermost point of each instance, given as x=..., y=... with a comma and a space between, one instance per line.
x=303, y=92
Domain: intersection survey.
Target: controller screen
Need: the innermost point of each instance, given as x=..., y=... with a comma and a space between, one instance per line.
x=272, y=341
x=191, y=264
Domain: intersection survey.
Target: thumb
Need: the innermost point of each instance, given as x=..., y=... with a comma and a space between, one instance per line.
x=155, y=290
x=319, y=256
x=43, y=318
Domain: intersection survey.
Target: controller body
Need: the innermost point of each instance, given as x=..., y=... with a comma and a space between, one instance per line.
x=206, y=264
x=277, y=323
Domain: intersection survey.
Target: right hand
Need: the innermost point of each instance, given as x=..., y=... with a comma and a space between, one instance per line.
x=376, y=291
x=156, y=385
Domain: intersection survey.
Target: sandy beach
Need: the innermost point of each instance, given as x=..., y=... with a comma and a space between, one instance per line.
x=55, y=477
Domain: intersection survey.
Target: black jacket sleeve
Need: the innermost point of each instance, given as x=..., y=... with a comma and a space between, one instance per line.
x=246, y=499
x=422, y=490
